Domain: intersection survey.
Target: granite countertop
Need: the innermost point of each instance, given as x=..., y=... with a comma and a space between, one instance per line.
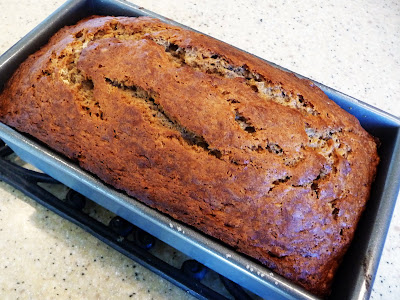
x=351, y=46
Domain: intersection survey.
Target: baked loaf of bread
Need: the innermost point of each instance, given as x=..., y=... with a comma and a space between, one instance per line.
x=210, y=135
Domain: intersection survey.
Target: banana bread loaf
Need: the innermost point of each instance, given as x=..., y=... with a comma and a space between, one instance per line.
x=210, y=135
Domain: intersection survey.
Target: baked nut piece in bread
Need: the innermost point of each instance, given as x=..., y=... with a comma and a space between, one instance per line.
x=210, y=135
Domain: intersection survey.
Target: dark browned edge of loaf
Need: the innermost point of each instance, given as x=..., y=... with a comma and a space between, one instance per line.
x=208, y=134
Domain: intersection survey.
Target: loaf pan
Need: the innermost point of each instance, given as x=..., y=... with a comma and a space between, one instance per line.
x=355, y=277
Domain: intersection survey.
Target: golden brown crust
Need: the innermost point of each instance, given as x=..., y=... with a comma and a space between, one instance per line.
x=213, y=136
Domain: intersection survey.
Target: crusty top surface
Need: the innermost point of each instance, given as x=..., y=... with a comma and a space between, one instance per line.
x=209, y=134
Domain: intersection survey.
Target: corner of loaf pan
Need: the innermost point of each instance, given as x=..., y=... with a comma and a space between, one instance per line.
x=354, y=278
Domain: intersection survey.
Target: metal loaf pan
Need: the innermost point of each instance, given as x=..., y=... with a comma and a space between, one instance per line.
x=355, y=277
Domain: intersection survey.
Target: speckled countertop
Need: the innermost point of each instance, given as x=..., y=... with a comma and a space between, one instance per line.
x=352, y=46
